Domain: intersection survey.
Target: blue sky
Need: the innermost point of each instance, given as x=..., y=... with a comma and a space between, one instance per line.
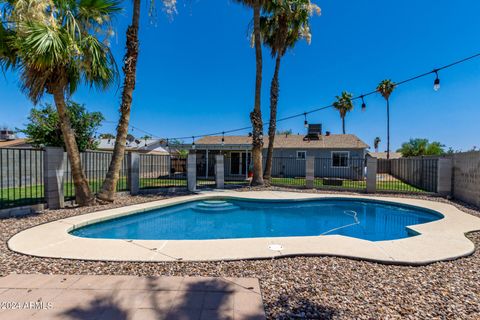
x=196, y=71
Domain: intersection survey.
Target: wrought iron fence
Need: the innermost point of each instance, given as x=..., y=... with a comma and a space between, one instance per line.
x=236, y=169
x=21, y=177
x=407, y=175
x=288, y=172
x=95, y=165
x=341, y=173
x=162, y=171
x=205, y=171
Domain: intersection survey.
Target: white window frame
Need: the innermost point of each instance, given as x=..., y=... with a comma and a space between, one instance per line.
x=303, y=151
x=348, y=159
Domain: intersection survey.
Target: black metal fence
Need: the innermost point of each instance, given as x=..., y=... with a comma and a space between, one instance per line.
x=162, y=171
x=21, y=177
x=95, y=165
x=407, y=175
x=288, y=172
x=341, y=173
x=206, y=171
x=236, y=170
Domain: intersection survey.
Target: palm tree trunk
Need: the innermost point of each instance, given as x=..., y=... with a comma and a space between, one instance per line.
x=388, y=129
x=343, y=124
x=274, y=90
x=256, y=114
x=83, y=195
x=129, y=68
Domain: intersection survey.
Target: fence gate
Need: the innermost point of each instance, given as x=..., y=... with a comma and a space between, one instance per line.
x=205, y=171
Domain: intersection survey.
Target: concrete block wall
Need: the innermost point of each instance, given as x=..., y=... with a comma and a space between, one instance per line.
x=466, y=177
x=53, y=172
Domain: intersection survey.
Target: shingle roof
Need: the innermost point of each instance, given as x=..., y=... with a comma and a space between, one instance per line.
x=334, y=141
x=17, y=143
x=383, y=155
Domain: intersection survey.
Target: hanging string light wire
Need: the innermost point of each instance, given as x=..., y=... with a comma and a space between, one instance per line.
x=304, y=114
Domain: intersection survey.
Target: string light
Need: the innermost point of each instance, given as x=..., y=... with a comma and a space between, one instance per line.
x=436, y=83
x=167, y=144
x=364, y=106
x=436, y=87
x=305, y=123
x=223, y=138
x=193, y=142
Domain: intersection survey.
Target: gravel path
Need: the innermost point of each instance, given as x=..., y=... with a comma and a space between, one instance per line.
x=302, y=287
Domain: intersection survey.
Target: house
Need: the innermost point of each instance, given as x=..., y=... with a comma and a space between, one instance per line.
x=335, y=154
x=146, y=146
x=8, y=139
x=383, y=155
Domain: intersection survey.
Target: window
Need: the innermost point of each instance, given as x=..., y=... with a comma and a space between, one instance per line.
x=340, y=158
x=301, y=155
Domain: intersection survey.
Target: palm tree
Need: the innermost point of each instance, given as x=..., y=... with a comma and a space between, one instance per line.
x=56, y=45
x=286, y=23
x=256, y=114
x=376, y=143
x=386, y=88
x=107, y=193
x=343, y=105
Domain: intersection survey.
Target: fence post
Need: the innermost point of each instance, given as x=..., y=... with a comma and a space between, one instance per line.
x=54, y=167
x=371, y=174
x=444, y=177
x=309, y=172
x=133, y=172
x=219, y=171
x=192, y=172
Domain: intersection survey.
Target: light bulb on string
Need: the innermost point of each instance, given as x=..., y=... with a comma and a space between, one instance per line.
x=436, y=83
x=364, y=106
x=223, y=138
x=305, y=123
x=193, y=143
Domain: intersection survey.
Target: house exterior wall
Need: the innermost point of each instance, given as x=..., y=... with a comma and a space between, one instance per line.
x=285, y=162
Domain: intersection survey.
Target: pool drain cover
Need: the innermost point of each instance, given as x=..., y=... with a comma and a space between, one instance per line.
x=275, y=247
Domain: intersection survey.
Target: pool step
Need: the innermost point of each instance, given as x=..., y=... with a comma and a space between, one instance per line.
x=215, y=206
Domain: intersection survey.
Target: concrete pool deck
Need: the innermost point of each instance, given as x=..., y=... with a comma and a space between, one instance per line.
x=439, y=240
x=38, y=296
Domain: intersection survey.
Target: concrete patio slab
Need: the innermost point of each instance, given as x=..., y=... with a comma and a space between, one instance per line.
x=129, y=297
x=442, y=239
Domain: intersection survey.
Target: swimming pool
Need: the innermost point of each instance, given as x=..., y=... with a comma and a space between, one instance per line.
x=232, y=219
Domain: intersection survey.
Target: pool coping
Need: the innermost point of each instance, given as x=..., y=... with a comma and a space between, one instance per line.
x=439, y=240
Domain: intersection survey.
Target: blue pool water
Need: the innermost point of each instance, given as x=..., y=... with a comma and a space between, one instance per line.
x=226, y=219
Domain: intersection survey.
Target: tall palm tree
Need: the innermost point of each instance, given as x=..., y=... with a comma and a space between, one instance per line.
x=376, y=143
x=343, y=105
x=56, y=45
x=385, y=88
x=107, y=193
x=286, y=23
x=256, y=114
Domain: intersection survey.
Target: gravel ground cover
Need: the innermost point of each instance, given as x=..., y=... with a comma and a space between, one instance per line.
x=300, y=287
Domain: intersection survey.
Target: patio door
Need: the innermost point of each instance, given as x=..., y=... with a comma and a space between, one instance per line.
x=235, y=165
x=239, y=162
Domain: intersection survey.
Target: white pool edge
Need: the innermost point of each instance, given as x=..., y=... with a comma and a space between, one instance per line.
x=439, y=240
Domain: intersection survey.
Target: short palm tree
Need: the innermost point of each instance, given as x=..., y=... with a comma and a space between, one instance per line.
x=376, y=143
x=256, y=114
x=56, y=46
x=344, y=105
x=385, y=88
x=286, y=23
